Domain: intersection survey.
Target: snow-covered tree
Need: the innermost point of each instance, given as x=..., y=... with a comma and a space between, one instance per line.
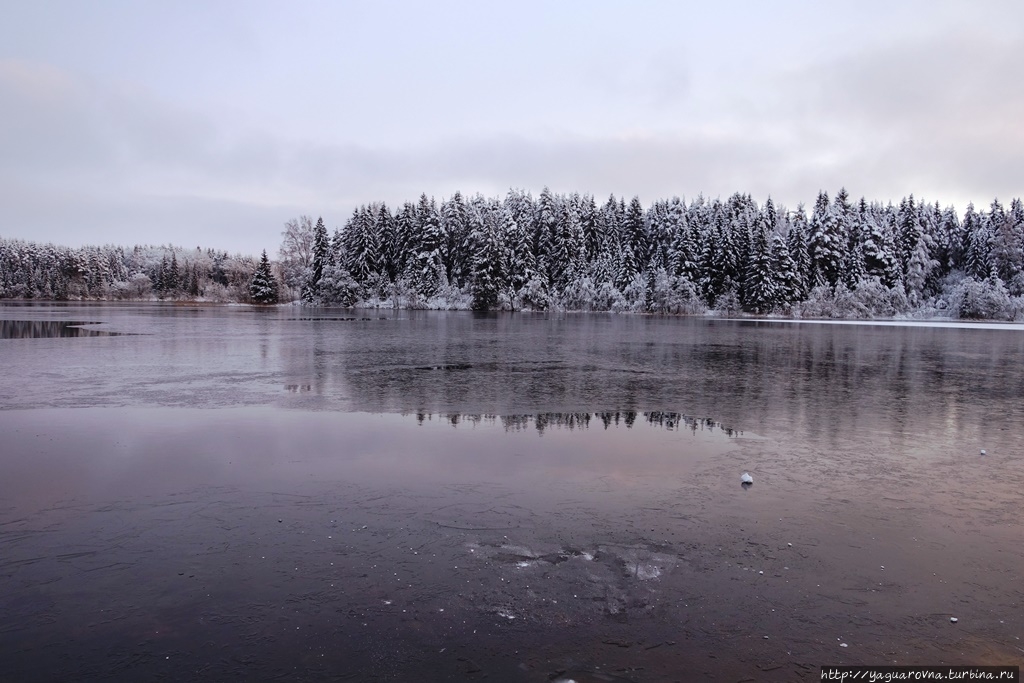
x=827, y=243
x=321, y=253
x=489, y=280
x=296, y=251
x=760, y=289
x=263, y=286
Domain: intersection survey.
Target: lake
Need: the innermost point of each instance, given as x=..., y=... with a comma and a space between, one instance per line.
x=223, y=493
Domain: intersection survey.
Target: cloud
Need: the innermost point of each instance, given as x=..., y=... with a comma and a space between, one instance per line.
x=939, y=115
x=84, y=161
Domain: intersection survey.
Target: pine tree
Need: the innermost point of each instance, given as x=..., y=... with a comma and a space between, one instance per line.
x=919, y=270
x=635, y=233
x=787, y=279
x=682, y=251
x=976, y=260
x=427, y=262
x=387, y=229
x=545, y=228
x=172, y=283
x=321, y=252
x=457, y=257
x=566, y=245
x=361, y=243
x=520, y=265
x=1005, y=247
x=879, y=253
x=760, y=290
x=488, y=260
x=827, y=243
x=403, y=249
x=908, y=232
x=797, y=246
x=590, y=225
x=263, y=286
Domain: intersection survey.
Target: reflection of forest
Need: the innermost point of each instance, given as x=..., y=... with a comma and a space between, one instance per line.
x=824, y=381
x=39, y=329
x=541, y=421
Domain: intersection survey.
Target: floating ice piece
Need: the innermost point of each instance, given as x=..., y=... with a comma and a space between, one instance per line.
x=746, y=479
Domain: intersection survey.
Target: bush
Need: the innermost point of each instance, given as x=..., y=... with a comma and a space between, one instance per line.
x=985, y=300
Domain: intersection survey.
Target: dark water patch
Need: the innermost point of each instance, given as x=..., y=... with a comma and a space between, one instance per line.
x=450, y=366
x=44, y=329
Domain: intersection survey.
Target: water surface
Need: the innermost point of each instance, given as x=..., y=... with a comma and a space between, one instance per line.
x=238, y=494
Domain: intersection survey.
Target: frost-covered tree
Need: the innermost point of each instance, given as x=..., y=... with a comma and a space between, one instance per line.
x=635, y=233
x=919, y=270
x=296, y=251
x=566, y=248
x=879, y=251
x=760, y=289
x=387, y=229
x=263, y=286
x=321, y=254
x=827, y=243
x=785, y=272
x=489, y=280
x=428, y=269
x=1005, y=254
x=545, y=228
x=797, y=244
x=362, y=245
x=457, y=254
x=979, y=241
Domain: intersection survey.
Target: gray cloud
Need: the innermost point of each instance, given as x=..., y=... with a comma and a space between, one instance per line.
x=87, y=162
x=937, y=116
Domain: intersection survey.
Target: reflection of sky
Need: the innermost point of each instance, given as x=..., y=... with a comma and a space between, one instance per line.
x=92, y=455
x=835, y=384
x=212, y=124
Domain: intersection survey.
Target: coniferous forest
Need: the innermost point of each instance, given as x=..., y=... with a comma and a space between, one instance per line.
x=841, y=259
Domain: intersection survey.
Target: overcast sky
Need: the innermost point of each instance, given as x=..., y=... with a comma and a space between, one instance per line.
x=212, y=123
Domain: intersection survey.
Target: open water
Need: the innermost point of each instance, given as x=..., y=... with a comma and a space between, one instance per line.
x=225, y=493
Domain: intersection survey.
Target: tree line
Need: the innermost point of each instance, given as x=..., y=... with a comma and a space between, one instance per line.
x=31, y=270
x=566, y=252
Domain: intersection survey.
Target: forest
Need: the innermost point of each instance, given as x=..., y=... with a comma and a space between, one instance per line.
x=846, y=259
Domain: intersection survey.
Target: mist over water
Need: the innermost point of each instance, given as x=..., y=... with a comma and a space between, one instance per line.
x=223, y=492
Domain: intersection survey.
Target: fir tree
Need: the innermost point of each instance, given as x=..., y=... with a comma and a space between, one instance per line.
x=263, y=286
x=427, y=263
x=826, y=244
x=635, y=234
x=760, y=290
x=797, y=246
x=321, y=251
x=488, y=278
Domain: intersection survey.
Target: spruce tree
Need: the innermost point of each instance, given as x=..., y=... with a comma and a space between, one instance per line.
x=263, y=286
x=488, y=261
x=321, y=252
x=827, y=243
x=760, y=291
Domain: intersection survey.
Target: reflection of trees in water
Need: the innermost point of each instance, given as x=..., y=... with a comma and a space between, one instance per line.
x=40, y=329
x=608, y=419
x=826, y=382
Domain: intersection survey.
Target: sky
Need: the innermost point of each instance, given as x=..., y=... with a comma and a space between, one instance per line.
x=210, y=123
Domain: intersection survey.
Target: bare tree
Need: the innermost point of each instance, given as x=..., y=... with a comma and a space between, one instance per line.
x=296, y=251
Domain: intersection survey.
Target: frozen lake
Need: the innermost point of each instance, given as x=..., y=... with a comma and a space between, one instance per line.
x=222, y=493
